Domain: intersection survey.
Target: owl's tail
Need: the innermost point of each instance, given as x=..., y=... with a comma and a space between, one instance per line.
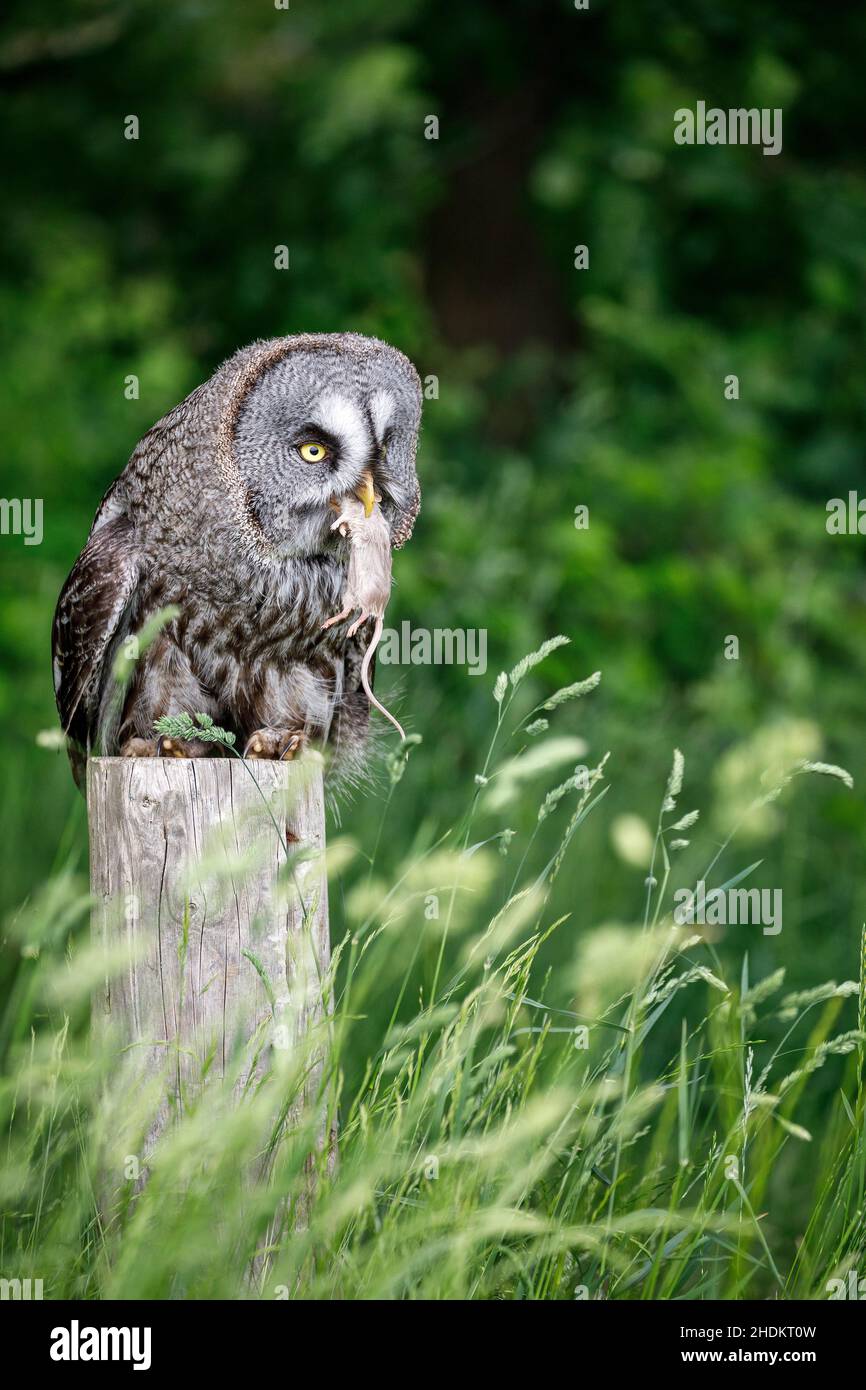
x=365, y=677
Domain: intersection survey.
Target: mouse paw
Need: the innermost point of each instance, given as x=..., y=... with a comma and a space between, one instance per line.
x=337, y=618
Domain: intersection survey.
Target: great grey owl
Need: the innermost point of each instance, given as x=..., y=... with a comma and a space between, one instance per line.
x=224, y=510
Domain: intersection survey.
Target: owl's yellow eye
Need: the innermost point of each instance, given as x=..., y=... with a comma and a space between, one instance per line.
x=313, y=451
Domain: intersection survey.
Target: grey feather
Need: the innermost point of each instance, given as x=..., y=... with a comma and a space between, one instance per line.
x=217, y=513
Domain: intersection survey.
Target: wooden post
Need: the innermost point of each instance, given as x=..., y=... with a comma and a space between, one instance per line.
x=185, y=870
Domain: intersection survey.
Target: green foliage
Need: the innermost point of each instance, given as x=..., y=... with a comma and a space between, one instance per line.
x=492, y=1144
x=202, y=729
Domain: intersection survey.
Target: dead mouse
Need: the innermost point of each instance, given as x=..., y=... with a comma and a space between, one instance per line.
x=368, y=579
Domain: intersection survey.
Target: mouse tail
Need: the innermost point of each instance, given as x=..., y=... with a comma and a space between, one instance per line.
x=365, y=678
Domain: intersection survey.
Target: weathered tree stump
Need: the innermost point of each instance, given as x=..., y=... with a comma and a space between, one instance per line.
x=223, y=945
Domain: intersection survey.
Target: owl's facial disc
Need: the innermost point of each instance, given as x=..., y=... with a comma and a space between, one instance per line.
x=314, y=428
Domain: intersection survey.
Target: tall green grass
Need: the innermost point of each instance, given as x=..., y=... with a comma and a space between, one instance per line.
x=632, y=1130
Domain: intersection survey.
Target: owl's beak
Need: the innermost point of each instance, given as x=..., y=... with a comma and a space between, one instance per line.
x=365, y=492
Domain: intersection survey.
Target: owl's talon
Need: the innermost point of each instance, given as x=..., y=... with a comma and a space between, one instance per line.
x=139, y=748
x=274, y=744
x=292, y=748
x=167, y=747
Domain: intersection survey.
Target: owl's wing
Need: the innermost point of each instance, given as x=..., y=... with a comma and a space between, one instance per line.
x=404, y=521
x=89, y=614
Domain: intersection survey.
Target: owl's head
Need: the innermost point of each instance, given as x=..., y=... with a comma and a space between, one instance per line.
x=326, y=415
